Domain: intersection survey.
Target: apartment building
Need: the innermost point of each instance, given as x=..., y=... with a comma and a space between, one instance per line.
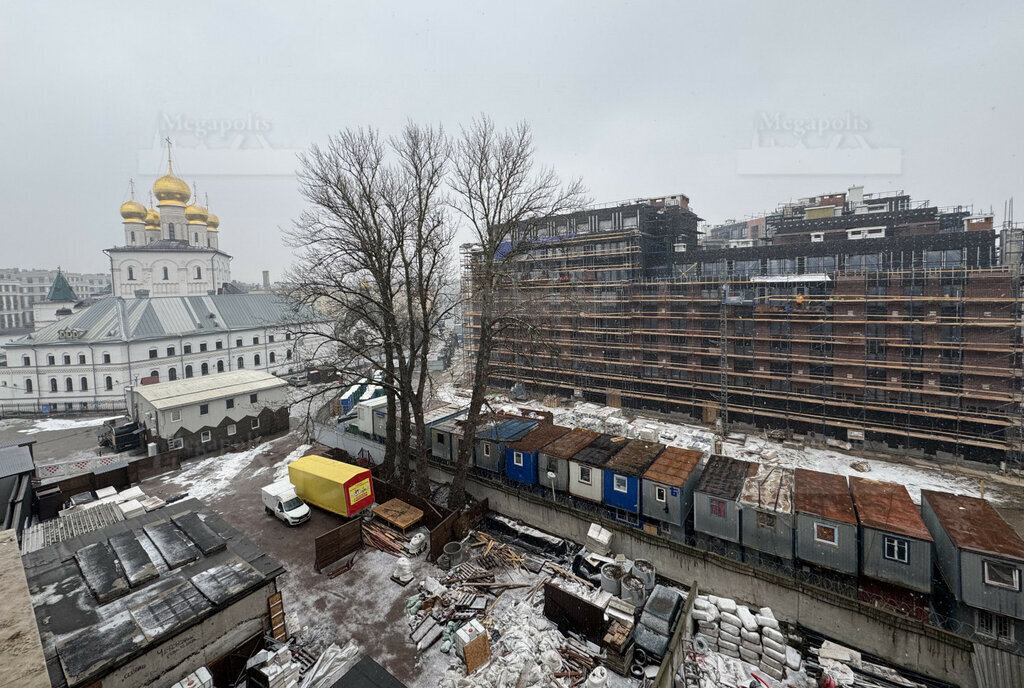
x=877, y=321
x=20, y=290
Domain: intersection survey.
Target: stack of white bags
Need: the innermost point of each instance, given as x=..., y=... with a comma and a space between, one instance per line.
x=735, y=631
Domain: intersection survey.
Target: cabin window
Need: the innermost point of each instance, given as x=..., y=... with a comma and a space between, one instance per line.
x=585, y=475
x=826, y=534
x=487, y=449
x=517, y=458
x=232, y=429
x=229, y=403
x=717, y=508
x=252, y=398
x=439, y=438
x=177, y=443
x=204, y=409
x=765, y=520
x=620, y=484
x=176, y=415
x=1001, y=575
x=993, y=625
x=660, y=494
x=205, y=436
x=255, y=423
x=896, y=549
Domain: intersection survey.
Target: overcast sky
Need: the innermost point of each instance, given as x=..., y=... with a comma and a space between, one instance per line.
x=638, y=99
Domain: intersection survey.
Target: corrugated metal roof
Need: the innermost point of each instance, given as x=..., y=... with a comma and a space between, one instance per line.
x=15, y=459
x=723, y=477
x=824, y=494
x=973, y=524
x=177, y=393
x=673, y=466
x=171, y=315
x=888, y=507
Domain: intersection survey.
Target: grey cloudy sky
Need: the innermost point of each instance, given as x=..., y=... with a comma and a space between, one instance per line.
x=639, y=99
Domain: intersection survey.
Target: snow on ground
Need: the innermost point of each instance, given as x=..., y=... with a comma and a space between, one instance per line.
x=281, y=467
x=915, y=478
x=686, y=435
x=54, y=424
x=209, y=477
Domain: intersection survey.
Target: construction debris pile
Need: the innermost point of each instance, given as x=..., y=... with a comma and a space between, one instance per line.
x=734, y=631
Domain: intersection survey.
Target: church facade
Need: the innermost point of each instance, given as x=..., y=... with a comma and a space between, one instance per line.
x=170, y=250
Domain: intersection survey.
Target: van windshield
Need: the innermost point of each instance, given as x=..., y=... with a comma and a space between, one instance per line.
x=292, y=504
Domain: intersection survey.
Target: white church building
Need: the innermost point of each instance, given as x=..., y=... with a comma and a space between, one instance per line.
x=166, y=319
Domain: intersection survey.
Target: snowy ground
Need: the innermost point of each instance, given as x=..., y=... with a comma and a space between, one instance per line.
x=55, y=424
x=755, y=448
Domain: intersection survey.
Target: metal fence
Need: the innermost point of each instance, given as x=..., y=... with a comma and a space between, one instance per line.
x=14, y=409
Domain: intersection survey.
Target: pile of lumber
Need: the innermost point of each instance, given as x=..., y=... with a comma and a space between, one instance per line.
x=494, y=554
x=619, y=643
x=382, y=537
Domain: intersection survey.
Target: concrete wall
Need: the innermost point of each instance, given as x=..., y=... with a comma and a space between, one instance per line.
x=198, y=646
x=842, y=558
x=898, y=639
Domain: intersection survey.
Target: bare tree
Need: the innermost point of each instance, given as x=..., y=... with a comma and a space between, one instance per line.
x=371, y=251
x=504, y=199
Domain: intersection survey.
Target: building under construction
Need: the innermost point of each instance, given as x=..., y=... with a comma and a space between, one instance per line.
x=872, y=320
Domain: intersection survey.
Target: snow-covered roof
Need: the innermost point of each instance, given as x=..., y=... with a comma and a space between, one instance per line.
x=195, y=390
x=117, y=592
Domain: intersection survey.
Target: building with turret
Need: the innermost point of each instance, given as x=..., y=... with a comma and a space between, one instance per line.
x=170, y=250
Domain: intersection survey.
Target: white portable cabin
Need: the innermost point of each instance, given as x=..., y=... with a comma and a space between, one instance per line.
x=365, y=411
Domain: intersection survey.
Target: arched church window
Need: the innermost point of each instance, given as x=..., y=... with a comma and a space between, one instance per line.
x=170, y=230
x=166, y=276
x=133, y=237
x=131, y=273
x=199, y=272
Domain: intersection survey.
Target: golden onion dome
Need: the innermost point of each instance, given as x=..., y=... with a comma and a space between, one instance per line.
x=133, y=211
x=169, y=190
x=152, y=219
x=212, y=222
x=196, y=215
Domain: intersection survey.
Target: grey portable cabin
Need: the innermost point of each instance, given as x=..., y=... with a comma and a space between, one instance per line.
x=826, y=521
x=895, y=545
x=554, y=457
x=766, y=500
x=981, y=559
x=445, y=438
x=668, y=485
x=716, y=506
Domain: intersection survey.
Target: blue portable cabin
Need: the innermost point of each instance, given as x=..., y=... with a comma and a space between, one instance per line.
x=352, y=395
x=668, y=485
x=622, y=479
x=493, y=438
x=521, y=456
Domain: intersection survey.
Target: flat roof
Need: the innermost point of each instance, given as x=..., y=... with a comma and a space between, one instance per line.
x=724, y=476
x=105, y=597
x=770, y=487
x=673, y=466
x=635, y=457
x=598, y=452
x=194, y=390
x=539, y=437
x=505, y=430
x=16, y=459
x=974, y=524
x=826, y=495
x=888, y=507
x=24, y=662
x=566, y=446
